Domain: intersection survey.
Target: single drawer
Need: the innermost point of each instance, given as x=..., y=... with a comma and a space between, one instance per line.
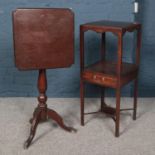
x=99, y=79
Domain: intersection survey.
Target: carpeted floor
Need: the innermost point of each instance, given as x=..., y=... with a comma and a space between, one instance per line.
x=95, y=138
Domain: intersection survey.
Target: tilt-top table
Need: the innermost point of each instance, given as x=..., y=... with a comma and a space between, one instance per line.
x=43, y=39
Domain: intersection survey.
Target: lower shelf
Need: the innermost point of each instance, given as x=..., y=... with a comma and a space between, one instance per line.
x=105, y=73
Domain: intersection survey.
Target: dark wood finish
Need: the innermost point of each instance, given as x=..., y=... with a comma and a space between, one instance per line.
x=136, y=81
x=81, y=72
x=105, y=73
x=103, y=57
x=109, y=73
x=43, y=38
x=42, y=113
x=111, y=26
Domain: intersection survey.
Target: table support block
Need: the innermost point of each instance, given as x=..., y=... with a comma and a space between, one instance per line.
x=108, y=110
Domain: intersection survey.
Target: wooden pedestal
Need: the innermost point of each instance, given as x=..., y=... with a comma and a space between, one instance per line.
x=43, y=39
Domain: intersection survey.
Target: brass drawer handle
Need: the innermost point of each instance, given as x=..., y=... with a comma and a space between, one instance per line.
x=94, y=77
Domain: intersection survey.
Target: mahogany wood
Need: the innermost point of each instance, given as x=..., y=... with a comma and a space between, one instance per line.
x=42, y=113
x=43, y=39
x=103, y=50
x=111, y=26
x=109, y=73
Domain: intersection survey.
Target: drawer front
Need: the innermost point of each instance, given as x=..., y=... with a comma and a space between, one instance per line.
x=99, y=79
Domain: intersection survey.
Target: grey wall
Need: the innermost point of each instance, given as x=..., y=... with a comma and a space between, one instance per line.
x=62, y=82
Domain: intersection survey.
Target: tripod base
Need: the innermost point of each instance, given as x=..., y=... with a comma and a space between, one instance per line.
x=42, y=113
x=38, y=117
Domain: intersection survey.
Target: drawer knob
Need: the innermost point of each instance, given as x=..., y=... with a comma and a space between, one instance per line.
x=103, y=79
x=94, y=76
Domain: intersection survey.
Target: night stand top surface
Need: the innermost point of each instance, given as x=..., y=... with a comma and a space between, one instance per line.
x=111, y=25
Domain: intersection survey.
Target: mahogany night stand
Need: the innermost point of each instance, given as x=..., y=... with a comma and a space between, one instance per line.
x=113, y=74
x=43, y=39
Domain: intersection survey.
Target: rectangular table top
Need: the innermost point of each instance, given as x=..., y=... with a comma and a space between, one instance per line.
x=108, y=25
x=43, y=38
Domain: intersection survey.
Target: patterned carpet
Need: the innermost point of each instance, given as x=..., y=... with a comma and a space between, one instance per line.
x=95, y=138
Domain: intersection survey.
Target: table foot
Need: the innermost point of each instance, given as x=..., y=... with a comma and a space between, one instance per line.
x=34, y=124
x=56, y=117
x=37, y=119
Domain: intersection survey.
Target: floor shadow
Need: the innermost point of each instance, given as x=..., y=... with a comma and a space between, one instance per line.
x=40, y=136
